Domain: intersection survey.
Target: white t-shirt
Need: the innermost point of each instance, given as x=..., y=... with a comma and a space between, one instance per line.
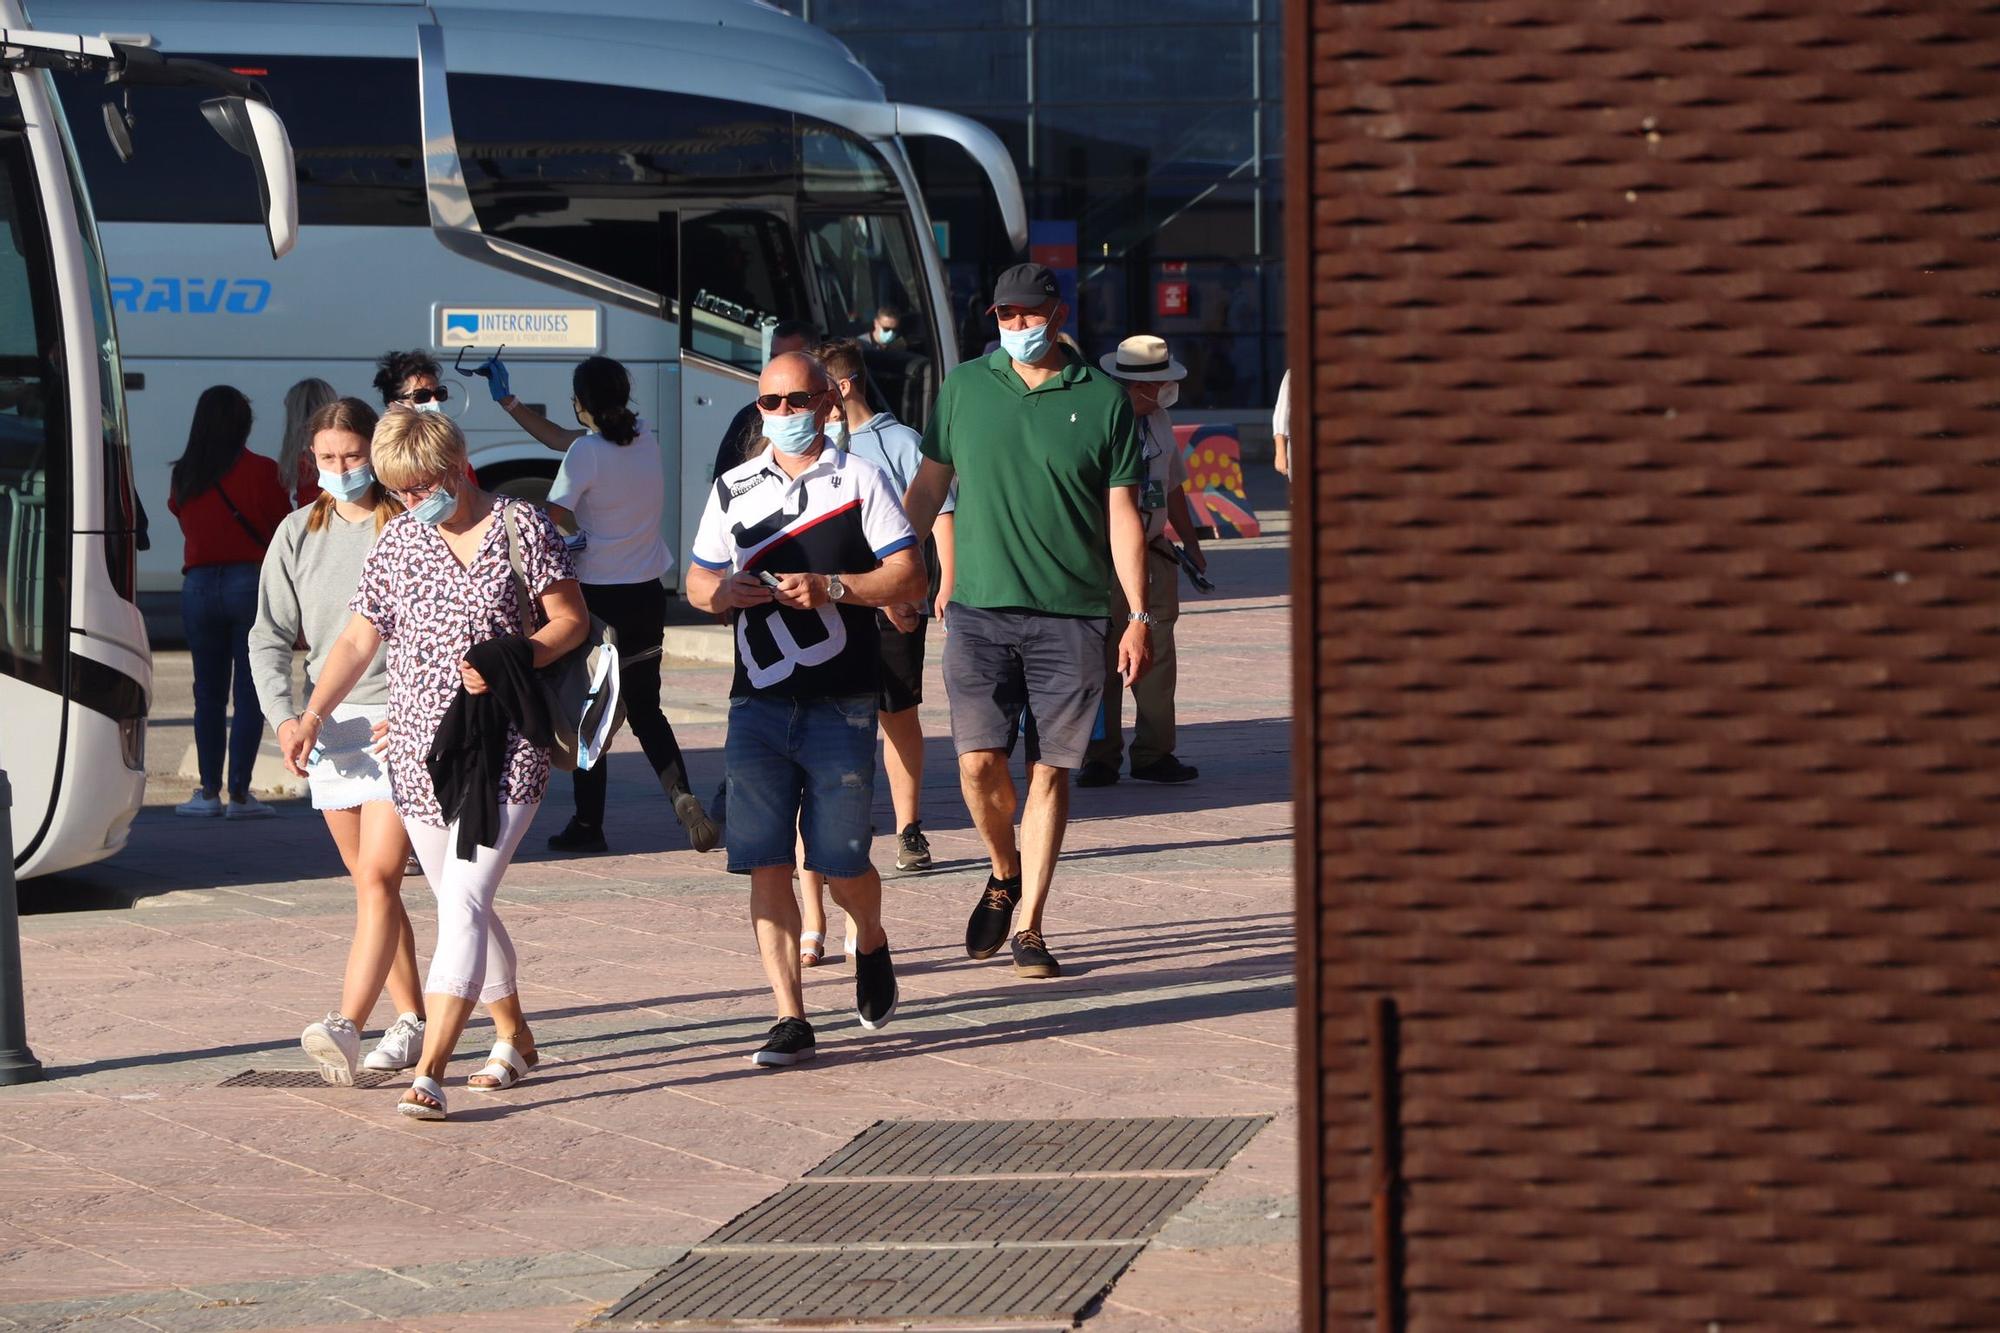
x=1281, y=415
x=617, y=493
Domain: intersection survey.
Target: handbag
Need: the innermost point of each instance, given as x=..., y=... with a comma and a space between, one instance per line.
x=580, y=687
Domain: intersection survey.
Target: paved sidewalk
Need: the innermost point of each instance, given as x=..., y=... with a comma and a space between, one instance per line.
x=135, y=1193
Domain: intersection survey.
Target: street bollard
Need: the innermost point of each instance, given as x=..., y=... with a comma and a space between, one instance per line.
x=17, y=1063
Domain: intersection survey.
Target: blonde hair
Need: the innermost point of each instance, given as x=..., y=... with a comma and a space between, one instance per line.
x=353, y=417
x=303, y=402
x=413, y=448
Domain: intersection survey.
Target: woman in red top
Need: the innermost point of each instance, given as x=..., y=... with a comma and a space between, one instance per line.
x=230, y=502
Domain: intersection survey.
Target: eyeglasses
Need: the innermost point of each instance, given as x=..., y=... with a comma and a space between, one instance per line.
x=412, y=498
x=800, y=399
x=442, y=394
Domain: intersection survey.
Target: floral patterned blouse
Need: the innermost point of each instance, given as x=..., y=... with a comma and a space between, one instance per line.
x=429, y=612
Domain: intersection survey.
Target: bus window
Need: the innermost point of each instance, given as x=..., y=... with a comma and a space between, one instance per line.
x=355, y=139
x=34, y=450
x=739, y=276
x=593, y=173
x=862, y=264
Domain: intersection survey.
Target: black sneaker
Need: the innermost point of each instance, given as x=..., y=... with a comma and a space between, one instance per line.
x=1097, y=775
x=1168, y=769
x=790, y=1042
x=874, y=988
x=987, y=928
x=1032, y=957
x=914, y=849
x=578, y=836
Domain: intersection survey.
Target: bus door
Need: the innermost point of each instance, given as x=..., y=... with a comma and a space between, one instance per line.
x=740, y=275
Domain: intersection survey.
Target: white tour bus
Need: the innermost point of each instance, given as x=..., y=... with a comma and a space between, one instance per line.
x=660, y=182
x=75, y=674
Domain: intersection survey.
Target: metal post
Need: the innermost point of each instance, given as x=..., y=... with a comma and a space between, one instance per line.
x=17, y=1063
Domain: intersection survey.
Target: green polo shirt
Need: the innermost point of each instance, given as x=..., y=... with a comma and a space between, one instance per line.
x=1033, y=467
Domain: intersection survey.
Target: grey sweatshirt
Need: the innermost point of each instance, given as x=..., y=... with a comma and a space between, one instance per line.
x=304, y=589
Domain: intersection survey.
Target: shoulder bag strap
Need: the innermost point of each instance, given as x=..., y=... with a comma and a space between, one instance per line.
x=263, y=542
x=524, y=601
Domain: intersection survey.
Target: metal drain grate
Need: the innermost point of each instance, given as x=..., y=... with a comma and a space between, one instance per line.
x=946, y=1220
x=304, y=1078
x=958, y=1212
x=1052, y=1283
x=1048, y=1147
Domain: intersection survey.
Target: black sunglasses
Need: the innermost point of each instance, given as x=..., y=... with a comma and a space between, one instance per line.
x=798, y=398
x=442, y=393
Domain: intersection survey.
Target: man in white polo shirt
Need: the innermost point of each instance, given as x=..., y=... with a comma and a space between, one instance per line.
x=799, y=543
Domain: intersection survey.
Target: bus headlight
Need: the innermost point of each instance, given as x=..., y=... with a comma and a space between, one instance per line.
x=132, y=741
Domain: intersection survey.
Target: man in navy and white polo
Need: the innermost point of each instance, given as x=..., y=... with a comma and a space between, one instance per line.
x=829, y=531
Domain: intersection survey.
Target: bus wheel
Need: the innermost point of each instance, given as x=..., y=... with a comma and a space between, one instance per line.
x=522, y=481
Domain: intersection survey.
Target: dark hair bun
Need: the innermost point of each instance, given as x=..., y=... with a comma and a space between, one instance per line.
x=620, y=425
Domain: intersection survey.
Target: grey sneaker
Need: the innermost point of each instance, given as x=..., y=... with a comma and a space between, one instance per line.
x=400, y=1045
x=335, y=1047
x=247, y=806
x=913, y=849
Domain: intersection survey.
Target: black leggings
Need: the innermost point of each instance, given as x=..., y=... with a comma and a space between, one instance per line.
x=638, y=612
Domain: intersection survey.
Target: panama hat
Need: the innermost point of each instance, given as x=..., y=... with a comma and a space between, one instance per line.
x=1142, y=357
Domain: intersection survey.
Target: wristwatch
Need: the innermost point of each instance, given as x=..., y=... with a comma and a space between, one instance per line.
x=835, y=589
x=1139, y=618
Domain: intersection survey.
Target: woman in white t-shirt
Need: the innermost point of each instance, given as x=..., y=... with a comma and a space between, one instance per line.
x=613, y=485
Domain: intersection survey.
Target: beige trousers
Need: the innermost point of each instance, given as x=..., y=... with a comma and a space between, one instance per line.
x=1153, y=695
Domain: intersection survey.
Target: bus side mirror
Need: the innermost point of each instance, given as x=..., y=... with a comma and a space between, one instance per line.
x=254, y=130
x=119, y=130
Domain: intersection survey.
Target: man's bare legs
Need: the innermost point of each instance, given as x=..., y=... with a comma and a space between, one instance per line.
x=903, y=760
x=1029, y=857
x=774, y=912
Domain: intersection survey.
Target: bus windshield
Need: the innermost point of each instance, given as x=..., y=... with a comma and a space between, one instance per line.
x=33, y=450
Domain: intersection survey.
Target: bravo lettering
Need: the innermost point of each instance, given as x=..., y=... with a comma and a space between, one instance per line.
x=190, y=296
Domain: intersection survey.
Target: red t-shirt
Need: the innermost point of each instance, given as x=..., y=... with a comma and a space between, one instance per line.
x=214, y=537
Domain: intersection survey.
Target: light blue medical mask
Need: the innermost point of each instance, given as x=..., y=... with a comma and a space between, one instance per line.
x=1028, y=346
x=885, y=336
x=436, y=507
x=432, y=406
x=793, y=433
x=348, y=486
x=837, y=433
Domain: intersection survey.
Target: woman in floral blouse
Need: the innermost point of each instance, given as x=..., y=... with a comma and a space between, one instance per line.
x=437, y=581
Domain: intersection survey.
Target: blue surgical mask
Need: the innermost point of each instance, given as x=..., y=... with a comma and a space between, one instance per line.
x=885, y=336
x=792, y=433
x=436, y=507
x=348, y=486
x=837, y=432
x=432, y=406
x=1028, y=346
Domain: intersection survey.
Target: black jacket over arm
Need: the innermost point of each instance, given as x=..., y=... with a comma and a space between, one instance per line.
x=469, y=752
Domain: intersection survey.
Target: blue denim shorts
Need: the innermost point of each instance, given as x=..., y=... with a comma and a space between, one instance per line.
x=800, y=766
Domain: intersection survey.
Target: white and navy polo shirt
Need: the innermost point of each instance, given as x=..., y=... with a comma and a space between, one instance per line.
x=839, y=516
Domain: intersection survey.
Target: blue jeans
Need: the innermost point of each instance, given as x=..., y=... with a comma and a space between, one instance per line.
x=218, y=606
x=802, y=767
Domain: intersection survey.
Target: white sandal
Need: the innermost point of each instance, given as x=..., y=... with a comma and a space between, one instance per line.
x=417, y=1110
x=504, y=1065
x=812, y=948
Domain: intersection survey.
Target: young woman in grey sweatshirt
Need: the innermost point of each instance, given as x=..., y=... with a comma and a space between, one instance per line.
x=309, y=574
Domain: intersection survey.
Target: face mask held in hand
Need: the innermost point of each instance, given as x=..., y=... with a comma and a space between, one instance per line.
x=793, y=433
x=1027, y=346
x=436, y=507
x=348, y=486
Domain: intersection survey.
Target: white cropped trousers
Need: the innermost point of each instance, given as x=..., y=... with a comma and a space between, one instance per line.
x=473, y=957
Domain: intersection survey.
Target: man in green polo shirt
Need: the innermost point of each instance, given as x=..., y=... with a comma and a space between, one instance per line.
x=1046, y=454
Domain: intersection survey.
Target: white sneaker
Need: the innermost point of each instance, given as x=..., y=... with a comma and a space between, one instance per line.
x=249, y=807
x=198, y=806
x=335, y=1046
x=400, y=1045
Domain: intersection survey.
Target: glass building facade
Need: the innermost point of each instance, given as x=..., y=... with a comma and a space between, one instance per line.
x=1147, y=136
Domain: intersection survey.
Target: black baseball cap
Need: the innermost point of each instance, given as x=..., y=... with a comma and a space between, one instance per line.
x=1024, y=284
